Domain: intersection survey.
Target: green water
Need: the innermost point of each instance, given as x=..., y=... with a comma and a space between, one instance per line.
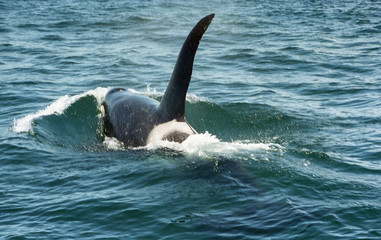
x=285, y=98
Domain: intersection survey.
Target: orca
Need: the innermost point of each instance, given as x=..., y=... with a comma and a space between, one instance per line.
x=137, y=120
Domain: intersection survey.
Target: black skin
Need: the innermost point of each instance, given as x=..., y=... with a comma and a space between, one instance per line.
x=130, y=117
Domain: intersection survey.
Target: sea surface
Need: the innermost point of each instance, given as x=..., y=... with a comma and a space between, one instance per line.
x=285, y=96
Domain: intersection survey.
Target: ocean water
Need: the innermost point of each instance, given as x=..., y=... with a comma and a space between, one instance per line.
x=285, y=95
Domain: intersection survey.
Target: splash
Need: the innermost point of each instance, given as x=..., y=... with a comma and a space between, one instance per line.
x=57, y=107
x=203, y=145
x=152, y=92
x=207, y=145
x=193, y=98
x=112, y=143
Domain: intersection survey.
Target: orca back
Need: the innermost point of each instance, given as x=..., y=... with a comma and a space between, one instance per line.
x=138, y=120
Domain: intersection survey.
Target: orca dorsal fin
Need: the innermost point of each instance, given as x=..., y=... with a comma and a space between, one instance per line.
x=173, y=103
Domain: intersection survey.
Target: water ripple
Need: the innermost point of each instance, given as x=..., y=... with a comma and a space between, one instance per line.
x=286, y=98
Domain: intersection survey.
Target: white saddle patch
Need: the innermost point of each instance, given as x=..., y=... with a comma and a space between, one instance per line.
x=159, y=132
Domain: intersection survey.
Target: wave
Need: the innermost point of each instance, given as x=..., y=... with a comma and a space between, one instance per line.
x=57, y=107
x=74, y=121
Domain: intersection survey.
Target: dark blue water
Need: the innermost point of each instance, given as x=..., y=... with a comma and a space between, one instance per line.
x=286, y=97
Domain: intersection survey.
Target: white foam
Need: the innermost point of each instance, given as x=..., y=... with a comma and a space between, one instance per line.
x=150, y=92
x=112, y=143
x=57, y=107
x=193, y=98
x=203, y=145
x=207, y=145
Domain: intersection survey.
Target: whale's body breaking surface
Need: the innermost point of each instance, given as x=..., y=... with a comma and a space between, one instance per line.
x=138, y=120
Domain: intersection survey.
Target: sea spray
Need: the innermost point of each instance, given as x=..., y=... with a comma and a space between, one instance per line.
x=207, y=145
x=154, y=93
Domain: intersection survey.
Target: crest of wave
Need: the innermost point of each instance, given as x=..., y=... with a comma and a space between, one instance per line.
x=56, y=107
